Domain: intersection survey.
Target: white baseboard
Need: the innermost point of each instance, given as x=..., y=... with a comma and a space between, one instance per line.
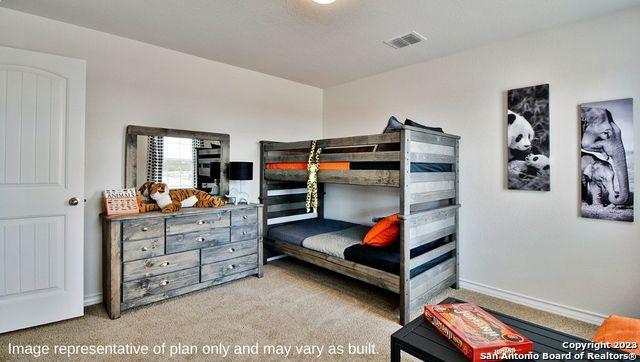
x=92, y=299
x=551, y=307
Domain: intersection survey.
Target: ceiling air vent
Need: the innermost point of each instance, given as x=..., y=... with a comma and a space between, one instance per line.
x=405, y=40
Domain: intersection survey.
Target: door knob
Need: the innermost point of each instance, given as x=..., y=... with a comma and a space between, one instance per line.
x=74, y=201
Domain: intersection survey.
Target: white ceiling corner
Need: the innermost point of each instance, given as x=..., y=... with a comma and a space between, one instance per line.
x=319, y=45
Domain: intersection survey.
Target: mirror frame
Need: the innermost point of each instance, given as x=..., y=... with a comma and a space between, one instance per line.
x=131, y=151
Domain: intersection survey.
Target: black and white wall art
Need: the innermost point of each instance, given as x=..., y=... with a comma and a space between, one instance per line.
x=528, y=138
x=607, y=156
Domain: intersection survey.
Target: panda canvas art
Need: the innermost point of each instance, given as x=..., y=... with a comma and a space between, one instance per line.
x=528, y=138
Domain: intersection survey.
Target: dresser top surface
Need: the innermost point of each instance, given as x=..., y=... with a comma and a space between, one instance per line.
x=183, y=212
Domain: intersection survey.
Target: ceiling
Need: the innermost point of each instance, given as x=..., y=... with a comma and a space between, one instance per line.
x=320, y=45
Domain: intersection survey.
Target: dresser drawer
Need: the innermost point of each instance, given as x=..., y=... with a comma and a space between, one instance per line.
x=140, y=249
x=155, y=285
x=228, y=267
x=142, y=229
x=188, y=224
x=241, y=233
x=246, y=216
x=229, y=251
x=197, y=240
x=160, y=265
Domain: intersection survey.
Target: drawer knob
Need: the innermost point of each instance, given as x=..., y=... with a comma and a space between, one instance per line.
x=166, y=263
x=231, y=250
x=200, y=239
x=200, y=222
x=164, y=282
x=144, y=248
x=244, y=217
x=145, y=229
x=148, y=264
x=231, y=266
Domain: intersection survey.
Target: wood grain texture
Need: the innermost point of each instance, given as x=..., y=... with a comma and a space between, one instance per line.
x=431, y=158
x=430, y=255
x=131, y=141
x=244, y=217
x=230, y=251
x=111, y=267
x=432, y=176
x=388, y=156
x=197, y=240
x=361, y=272
x=405, y=228
x=160, y=265
x=184, y=290
x=145, y=287
x=457, y=202
x=149, y=273
x=353, y=177
x=421, y=283
x=419, y=240
x=417, y=304
x=420, y=132
x=197, y=223
x=260, y=225
x=131, y=161
x=428, y=201
x=336, y=142
x=246, y=232
x=423, y=197
x=141, y=249
x=142, y=229
x=232, y=266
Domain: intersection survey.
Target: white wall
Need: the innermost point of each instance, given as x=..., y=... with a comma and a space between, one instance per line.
x=129, y=82
x=529, y=243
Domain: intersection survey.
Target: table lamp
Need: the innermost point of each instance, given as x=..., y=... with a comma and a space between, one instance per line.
x=240, y=171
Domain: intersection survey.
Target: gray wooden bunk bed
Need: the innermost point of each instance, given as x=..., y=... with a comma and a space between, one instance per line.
x=422, y=164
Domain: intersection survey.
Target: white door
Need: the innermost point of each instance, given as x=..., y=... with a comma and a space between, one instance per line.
x=42, y=107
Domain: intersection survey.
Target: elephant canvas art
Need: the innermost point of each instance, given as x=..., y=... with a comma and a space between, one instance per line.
x=607, y=153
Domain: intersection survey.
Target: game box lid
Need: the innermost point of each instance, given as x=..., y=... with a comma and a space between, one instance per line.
x=475, y=332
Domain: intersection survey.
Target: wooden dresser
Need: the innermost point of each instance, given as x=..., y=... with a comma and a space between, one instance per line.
x=153, y=256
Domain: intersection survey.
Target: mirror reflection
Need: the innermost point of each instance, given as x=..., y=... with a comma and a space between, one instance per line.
x=180, y=162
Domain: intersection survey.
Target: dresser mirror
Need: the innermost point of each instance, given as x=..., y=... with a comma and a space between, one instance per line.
x=178, y=158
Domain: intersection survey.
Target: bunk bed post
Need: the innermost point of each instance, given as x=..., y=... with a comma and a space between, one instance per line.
x=456, y=148
x=405, y=210
x=263, y=218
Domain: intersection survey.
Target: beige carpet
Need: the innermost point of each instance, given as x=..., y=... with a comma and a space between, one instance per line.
x=294, y=304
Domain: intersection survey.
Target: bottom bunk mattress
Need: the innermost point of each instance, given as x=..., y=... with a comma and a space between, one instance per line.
x=388, y=259
x=343, y=240
x=327, y=236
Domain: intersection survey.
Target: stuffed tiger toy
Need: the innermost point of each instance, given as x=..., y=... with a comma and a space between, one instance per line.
x=173, y=200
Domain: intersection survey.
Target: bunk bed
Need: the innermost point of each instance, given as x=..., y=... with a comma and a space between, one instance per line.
x=422, y=164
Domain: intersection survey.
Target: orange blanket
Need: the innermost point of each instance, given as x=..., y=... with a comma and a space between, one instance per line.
x=620, y=329
x=327, y=166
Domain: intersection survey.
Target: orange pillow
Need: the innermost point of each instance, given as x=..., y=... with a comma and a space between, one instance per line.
x=619, y=329
x=385, y=233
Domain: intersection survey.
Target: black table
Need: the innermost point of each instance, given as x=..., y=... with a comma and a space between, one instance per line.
x=420, y=339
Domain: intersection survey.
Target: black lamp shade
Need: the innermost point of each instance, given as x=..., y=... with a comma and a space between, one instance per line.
x=241, y=171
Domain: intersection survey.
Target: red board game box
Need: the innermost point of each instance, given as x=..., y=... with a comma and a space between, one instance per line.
x=476, y=333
